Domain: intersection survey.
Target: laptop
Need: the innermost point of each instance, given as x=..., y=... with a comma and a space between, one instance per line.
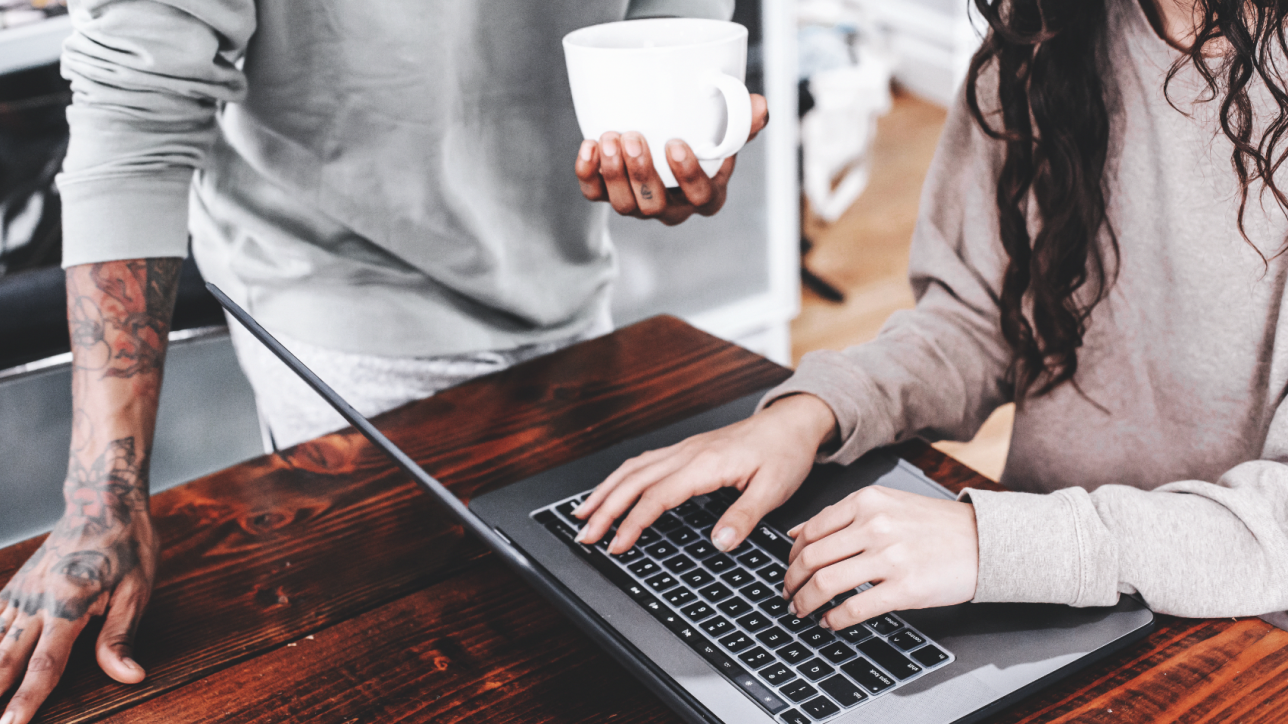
x=709, y=633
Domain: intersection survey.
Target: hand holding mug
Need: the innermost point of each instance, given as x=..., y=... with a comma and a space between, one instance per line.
x=620, y=169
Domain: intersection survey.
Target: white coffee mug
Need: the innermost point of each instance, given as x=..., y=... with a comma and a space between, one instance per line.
x=663, y=78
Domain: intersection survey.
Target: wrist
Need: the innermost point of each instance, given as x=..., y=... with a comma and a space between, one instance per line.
x=809, y=415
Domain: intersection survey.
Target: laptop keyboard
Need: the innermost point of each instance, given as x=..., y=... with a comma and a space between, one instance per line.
x=728, y=607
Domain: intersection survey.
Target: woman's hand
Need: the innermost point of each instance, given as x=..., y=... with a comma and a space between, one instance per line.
x=918, y=552
x=766, y=456
x=619, y=169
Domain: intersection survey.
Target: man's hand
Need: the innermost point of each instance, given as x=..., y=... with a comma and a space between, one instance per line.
x=619, y=169
x=101, y=557
x=919, y=552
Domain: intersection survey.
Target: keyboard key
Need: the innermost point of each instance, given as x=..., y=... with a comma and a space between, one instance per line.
x=720, y=563
x=854, y=634
x=836, y=652
x=644, y=568
x=682, y=536
x=773, y=637
x=778, y=674
x=773, y=573
x=717, y=658
x=736, y=641
x=820, y=708
x=774, y=606
x=700, y=519
x=760, y=693
x=756, y=591
x=815, y=669
x=930, y=656
x=754, y=621
x=795, y=625
x=885, y=625
x=889, y=659
x=795, y=717
x=662, y=581
x=753, y=559
x=736, y=577
x=773, y=543
x=798, y=690
x=756, y=658
x=629, y=556
x=637, y=591
x=795, y=653
x=679, y=564
x=648, y=537
x=565, y=509
x=868, y=676
x=907, y=640
x=717, y=627
x=734, y=606
x=685, y=508
x=697, y=611
x=679, y=596
x=843, y=691
x=702, y=549
x=716, y=592
x=545, y=516
x=697, y=578
x=818, y=637
x=661, y=549
x=666, y=523
x=716, y=507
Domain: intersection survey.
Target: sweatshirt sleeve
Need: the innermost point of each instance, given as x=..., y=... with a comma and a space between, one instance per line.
x=147, y=77
x=1189, y=548
x=938, y=370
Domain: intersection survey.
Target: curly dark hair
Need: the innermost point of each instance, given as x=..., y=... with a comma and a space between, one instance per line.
x=1053, y=114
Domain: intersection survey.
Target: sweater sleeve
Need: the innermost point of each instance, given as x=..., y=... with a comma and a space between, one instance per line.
x=938, y=370
x=1189, y=548
x=147, y=77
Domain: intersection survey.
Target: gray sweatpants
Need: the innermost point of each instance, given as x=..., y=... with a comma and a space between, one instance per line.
x=290, y=412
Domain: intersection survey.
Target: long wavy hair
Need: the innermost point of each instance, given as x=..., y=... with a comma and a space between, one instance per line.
x=1053, y=115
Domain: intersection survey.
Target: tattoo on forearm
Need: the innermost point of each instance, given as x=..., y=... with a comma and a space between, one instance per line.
x=118, y=315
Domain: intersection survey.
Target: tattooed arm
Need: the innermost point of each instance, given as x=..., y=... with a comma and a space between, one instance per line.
x=101, y=556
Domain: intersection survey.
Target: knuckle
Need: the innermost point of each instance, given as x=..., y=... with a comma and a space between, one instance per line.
x=41, y=662
x=26, y=696
x=825, y=580
x=881, y=525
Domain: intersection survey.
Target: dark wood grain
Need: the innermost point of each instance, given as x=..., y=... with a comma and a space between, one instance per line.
x=411, y=621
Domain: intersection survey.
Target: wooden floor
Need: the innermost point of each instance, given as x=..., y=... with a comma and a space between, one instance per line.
x=865, y=255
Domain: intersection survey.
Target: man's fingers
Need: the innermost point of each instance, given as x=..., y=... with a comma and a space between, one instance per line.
x=877, y=600
x=759, y=115
x=44, y=668
x=612, y=168
x=720, y=188
x=693, y=181
x=15, y=649
x=650, y=193
x=115, y=647
x=587, y=170
x=756, y=501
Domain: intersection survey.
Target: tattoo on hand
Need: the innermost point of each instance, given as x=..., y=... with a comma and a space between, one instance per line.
x=119, y=315
x=16, y=633
x=646, y=192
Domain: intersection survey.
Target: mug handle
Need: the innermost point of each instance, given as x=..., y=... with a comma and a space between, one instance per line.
x=738, y=105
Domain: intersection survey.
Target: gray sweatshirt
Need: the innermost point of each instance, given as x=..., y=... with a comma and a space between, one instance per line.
x=388, y=178
x=1178, y=488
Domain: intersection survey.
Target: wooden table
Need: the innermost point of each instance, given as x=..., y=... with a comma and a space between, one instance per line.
x=321, y=584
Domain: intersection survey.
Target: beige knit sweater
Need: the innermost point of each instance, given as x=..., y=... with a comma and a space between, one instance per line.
x=1178, y=488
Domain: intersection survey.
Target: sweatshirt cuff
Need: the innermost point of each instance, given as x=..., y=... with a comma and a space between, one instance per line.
x=1043, y=549
x=114, y=218
x=848, y=392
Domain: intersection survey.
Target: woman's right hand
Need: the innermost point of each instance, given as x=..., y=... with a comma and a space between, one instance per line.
x=766, y=457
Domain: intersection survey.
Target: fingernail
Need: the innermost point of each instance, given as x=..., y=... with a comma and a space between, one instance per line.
x=613, y=546
x=609, y=147
x=792, y=533
x=632, y=146
x=7, y=718
x=791, y=608
x=676, y=149
x=579, y=510
x=581, y=534
x=824, y=623
x=724, y=538
x=587, y=148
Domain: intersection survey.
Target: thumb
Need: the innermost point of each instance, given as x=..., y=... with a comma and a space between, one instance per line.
x=116, y=641
x=759, y=498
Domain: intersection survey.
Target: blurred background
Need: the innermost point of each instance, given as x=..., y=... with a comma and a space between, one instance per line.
x=810, y=252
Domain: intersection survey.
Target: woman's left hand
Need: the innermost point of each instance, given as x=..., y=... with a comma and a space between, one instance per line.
x=918, y=552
